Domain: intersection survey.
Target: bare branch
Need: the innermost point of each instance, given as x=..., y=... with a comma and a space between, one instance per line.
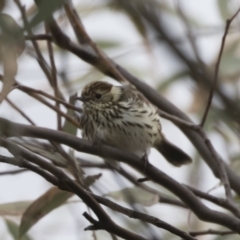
x=144, y=217
x=19, y=110
x=9, y=129
x=54, y=79
x=79, y=29
x=214, y=84
x=60, y=179
x=211, y=232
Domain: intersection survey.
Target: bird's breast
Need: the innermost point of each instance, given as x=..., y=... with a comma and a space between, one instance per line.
x=134, y=129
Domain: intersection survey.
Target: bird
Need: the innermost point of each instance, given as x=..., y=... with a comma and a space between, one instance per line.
x=121, y=116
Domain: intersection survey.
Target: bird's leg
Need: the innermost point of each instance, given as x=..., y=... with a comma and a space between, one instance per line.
x=144, y=159
x=97, y=143
x=144, y=179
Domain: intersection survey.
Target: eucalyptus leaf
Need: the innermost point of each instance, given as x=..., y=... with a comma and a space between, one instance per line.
x=167, y=82
x=68, y=126
x=46, y=152
x=12, y=44
x=14, y=208
x=49, y=201
x=134, y=195
x=46, y=9
x=91, y=179
x=106, y=44
x=13, y=229
x=223, y=7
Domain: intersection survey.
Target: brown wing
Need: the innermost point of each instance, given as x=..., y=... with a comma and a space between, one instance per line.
x=130, y=93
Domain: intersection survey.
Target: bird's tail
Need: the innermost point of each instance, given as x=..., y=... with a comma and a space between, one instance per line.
x=172, y=153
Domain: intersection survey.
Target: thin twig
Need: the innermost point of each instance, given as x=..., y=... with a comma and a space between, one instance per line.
x=29, y=89
x=72, y=166
x=211, y=232
x=19, y=110
x=141, y=216
x=42, y=100
x=190, y=36
x=40, y=58
x=79, y=29
x=60, y=179
x=13, y=172
x=221, y=167
x=54, y=79
x=228, y=23
x=10, y=129
x=39, y=37
x=218, y=201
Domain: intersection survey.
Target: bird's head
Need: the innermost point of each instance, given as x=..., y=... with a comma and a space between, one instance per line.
x=100, y=94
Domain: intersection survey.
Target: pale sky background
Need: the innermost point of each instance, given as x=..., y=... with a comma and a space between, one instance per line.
x=67, y=222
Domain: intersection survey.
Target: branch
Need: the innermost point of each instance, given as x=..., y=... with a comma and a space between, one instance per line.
x=13, y=172
x=10, y=129
x=22, y=163
x=218, y=201
x=54, y=78
x=39, y=37
x=59, y=178
x=79, y=30
x=18, y=109
x=141, y=216
x=228, y=23
x=211, y=232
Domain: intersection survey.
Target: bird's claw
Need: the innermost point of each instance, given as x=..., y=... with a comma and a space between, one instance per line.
x=97, y=143
x=144, y=159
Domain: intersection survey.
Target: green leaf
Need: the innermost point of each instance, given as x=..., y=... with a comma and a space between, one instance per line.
x=12, y=34
x=106, y=44
x=46, y=9
x=223, y=7
x=68, y=126
x=135, y=195
x=49, y=201
x=91, y=179
x=14, y=208
x=45, y=151
x=12, y=44
x=167, y=82
x=13, y=229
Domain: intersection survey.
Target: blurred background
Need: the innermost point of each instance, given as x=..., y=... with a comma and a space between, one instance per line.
x=197, y=28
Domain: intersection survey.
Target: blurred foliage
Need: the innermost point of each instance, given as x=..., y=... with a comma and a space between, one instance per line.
x=14, y=229
x=134, y=195
x=12, y=44
x=52, y=199
x=146, y=58
x=14, y=208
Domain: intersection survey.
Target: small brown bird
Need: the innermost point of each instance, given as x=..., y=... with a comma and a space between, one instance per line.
x=122, y=117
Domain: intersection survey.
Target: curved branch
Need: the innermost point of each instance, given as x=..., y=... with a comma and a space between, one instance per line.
x=11, y=129
x=56, y=176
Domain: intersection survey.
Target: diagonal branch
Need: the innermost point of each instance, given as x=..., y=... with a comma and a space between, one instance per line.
x=11, y=129
x=142, y=216
x=228, y=23
x=56, y=176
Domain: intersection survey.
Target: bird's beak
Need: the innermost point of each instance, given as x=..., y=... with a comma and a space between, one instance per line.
x=82, y=99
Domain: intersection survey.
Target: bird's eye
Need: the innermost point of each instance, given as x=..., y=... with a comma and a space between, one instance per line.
x=98, y=95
